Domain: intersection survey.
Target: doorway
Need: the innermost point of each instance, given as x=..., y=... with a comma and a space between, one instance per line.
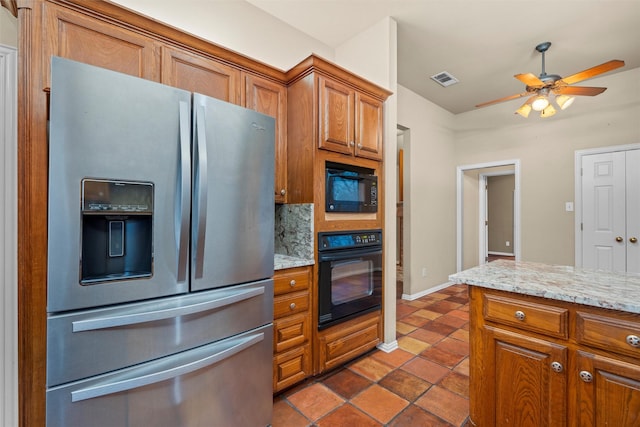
x=471, y=226
x=496, y=209
x=402, y=138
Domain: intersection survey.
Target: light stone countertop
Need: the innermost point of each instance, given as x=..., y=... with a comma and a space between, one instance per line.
x=618, y=291
x=280, y=262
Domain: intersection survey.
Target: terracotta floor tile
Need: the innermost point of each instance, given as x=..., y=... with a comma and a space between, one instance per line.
x=285, y=416
x=371, y=368
x=444, y=306
x=426, y=336
x=459, y=313
x=425, y=369
x=403, y=310
x=315, y=401
x=418, y=303
x=346, y=383
x=427, y=314
x=414, y=416
x=415, y=320
x=444, y=358
x=347, y=416
x=445, y=404
x=463, y=367
x=461, y=335
x=405, y=385
x=454, y=321
x=436, y=296
x=412, y=345
x=454, y=346
x=404, y=328
x=456, y=383
x=396, y=358
x=458, y=299
x=439, y=328
x=370, y=400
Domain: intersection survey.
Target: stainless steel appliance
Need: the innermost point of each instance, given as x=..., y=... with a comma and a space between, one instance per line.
x=350, y=188
x=349, y=275
x=160, y=290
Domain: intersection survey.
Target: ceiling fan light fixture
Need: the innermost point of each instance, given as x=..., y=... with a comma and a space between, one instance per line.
x=564, y=101
x=524, y=110
x=548, y=112
x=540, y=103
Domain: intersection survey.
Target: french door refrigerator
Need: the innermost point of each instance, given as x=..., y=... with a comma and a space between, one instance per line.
x=160, y=265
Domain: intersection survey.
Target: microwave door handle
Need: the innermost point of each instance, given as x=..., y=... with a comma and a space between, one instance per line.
x=181, y=225
x=201, y=182
x=144, y=379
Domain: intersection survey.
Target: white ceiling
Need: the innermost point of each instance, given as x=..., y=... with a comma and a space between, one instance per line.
x=483, y=43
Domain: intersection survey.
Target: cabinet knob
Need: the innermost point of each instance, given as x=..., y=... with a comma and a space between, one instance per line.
x=633, y=240
x=351, y=143
x=359, y=146
x=520, y=315
x=557, y=367
x=586, y=376
x=619, y=239
x=292, y=283
x=292, y=306
x=633, y=341
x=283, y=192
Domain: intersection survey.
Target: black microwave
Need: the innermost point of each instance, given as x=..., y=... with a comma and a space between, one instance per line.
x=350, y=189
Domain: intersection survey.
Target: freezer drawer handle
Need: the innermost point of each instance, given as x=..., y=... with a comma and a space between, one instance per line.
x=150, y=316
x=143, y=380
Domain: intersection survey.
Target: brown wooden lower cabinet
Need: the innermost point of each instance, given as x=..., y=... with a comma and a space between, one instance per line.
x=537, y=362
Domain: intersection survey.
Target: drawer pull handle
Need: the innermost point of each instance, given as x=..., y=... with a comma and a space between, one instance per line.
x=633, y=341
x=520, y=315
x=557, y=367
x=292, y=306
x=292, y=283
x=586, y=376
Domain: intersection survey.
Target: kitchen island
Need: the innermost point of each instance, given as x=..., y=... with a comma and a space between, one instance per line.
x=553, y=345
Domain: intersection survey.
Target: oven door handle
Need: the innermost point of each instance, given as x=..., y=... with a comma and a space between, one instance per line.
x=347, y=254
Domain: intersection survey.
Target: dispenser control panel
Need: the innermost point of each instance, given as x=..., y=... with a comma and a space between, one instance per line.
x=102, y=196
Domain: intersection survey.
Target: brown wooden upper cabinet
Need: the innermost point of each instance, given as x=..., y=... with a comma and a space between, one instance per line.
x=350, y=122
x=270, y=98
x=200, y=74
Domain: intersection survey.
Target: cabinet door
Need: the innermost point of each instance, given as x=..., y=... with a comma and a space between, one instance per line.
x=608, y=392
x=336, y=115
x=77, y=37
x=270, y=98
x=201, y=75
x=519, y=382
x=368, y=127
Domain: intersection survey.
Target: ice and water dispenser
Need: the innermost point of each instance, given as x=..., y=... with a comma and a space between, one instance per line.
x=117, y=230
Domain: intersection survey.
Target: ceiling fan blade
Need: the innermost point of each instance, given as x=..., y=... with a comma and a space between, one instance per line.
x=530, y=80
x=593, y=71
x=579, y=90
x=506, y=98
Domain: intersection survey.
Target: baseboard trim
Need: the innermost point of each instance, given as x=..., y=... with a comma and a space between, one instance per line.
x=388, y=347
x=500, y=253
x=412, y=297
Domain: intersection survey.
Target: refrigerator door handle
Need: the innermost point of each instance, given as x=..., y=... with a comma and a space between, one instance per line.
x=150, y=316
x=184, y=175
x=139, y=379
x=200, y=203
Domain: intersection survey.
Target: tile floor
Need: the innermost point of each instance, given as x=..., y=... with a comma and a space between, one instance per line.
x=425, y=382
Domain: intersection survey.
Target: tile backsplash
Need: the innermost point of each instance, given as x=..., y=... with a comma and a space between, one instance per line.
x=294, y=230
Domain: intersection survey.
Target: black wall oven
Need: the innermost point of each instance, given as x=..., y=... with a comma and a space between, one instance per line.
x=350, y=275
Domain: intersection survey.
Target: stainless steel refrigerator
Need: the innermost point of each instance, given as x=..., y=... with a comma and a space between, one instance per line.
x=160, y=265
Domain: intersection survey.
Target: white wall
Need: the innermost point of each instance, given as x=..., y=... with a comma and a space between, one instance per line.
x=8, y=28
x=546, y=149
x=429, y=193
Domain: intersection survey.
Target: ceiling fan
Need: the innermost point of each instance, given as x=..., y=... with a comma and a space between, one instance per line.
x=540, y=88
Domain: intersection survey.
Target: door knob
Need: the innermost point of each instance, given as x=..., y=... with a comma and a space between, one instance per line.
x=633, y=240
x=619, y=239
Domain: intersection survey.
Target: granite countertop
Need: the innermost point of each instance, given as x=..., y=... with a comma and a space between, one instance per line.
x=618, y=291
x=280, y=262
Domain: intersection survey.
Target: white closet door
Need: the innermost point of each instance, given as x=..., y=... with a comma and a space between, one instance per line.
x=633, y=210
x=603, y=223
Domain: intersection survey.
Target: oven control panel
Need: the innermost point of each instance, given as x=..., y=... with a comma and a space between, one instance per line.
x=349, y=239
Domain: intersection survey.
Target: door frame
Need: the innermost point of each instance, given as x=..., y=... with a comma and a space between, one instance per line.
x=578, y=191
x=460, y=170
x=483, y=238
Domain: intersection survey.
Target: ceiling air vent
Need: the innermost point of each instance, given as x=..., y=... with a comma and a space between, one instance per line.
x=445, y=79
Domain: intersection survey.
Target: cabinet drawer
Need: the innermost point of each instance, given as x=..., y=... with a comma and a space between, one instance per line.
x=291, y=367
x=291, y=281
x=541, y=318
x=290, y=331
x=608, y=333
x=285, y=305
